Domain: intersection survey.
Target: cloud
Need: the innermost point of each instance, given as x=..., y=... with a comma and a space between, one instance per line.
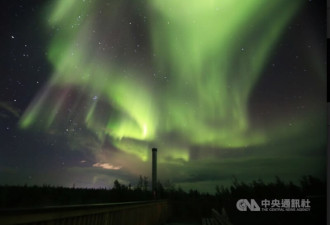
x=106, y=166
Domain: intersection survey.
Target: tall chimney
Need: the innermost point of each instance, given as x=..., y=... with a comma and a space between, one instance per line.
x=154, y=171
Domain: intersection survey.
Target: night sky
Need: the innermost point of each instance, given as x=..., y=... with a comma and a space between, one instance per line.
x=223, y=89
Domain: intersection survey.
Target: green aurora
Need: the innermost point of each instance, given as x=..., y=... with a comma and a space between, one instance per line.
x=184, y=87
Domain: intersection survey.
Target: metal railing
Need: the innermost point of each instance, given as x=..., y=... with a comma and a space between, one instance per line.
x=128, y=213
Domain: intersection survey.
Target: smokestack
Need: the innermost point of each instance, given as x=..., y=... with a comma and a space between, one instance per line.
x=154, y=171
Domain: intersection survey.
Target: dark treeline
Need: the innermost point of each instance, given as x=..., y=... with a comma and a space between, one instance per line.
x=185, y=204
x=47, y=195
